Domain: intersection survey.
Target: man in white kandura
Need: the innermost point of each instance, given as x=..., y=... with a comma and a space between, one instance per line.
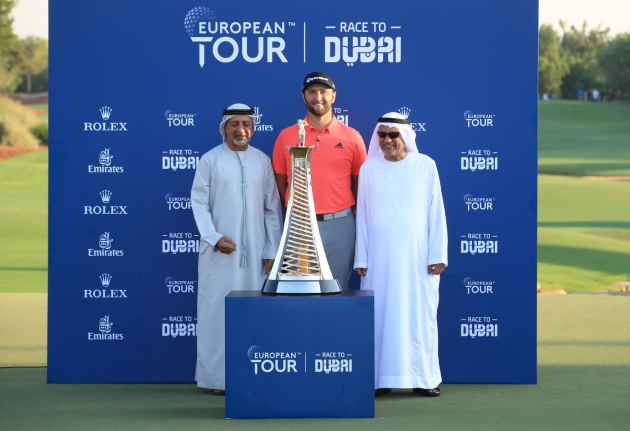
x=236, y=206
x=401, y=250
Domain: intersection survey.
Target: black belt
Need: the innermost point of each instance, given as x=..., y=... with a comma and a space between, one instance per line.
x=339, y=214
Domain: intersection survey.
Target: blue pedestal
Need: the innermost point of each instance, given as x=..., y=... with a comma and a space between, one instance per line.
x=299, y=357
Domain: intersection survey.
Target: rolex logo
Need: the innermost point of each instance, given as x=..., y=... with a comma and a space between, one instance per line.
x=404, y=111
x=416, y=127
x=105, y=279
x=106, y=111
x=102, y=126
x=106, y=195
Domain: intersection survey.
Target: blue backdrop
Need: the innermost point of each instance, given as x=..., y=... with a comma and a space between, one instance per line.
x=132, y=109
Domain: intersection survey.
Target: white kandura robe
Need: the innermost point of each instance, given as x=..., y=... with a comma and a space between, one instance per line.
x=228, y=184
x=401, y=229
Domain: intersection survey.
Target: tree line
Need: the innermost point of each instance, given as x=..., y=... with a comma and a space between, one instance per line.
x=579, y=62
x=23, y=62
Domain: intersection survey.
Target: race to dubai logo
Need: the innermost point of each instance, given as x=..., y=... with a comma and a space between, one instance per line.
x=178, y=159
x=474, y=327
x=258, y=124
x=342, y=115
x=333, y=362
x=479, y=160
x=478, y=120
x=179, y=326
x=105, y=328
x=105, y=160
x=382, y=46
x=176, y=120
x=479, y=243
x=104, y=126
x=231, y=39
x=180, y=242
x=105, y=244
x=416, y=127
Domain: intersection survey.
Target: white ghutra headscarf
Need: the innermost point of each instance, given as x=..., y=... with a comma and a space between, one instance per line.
x=232, y=111
x=393, y=119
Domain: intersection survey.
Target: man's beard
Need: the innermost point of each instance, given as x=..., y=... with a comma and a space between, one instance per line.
x=312, y=110
x=241, y=143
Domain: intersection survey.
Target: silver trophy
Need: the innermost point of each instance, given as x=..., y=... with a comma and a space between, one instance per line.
x=301, y=267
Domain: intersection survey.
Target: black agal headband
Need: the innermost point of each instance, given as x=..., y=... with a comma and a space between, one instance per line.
x=228, y=111
x=393, y=120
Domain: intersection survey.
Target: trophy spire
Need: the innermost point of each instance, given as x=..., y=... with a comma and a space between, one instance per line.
x=301, y=267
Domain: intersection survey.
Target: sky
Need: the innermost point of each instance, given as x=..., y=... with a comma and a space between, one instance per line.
x=31, y=16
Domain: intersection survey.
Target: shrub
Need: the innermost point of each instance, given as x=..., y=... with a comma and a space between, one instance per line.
x=41, y=133
x=15, y=124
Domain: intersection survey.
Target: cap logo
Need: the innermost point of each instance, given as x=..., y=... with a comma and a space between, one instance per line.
x=316, y=77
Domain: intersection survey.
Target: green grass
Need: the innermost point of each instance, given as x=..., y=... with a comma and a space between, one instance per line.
x=583, y=233
x=583, y=381
x=583, y=225
x=583, y=138
x=23, y=223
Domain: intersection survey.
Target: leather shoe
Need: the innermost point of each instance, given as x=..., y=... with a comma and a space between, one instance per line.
x=427, y=392
x=381, y=391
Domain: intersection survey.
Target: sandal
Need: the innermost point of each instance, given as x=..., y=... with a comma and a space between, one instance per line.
x=435, y=392
x=381, y=391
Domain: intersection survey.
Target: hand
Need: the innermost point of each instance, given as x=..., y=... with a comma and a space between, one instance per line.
x=267, y=265
x=435, y=268
x=226, y=245
x=361, y=271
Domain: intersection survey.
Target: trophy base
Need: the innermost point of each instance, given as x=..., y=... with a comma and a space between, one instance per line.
x=310, y=287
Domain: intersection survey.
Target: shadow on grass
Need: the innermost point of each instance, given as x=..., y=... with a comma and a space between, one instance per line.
x=584, y=223
x=580, y=170
x=609, y=262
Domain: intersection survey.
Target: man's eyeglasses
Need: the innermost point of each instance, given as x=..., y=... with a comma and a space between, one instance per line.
x=392, y=135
